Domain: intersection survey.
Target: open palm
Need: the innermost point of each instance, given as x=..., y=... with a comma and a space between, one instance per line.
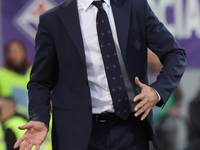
x=35, y=135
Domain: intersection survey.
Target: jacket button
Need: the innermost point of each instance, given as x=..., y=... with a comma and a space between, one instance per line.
x=86, y=82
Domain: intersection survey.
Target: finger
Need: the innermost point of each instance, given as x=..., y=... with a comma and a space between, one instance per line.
x=139, y=105
x=145, y=114
x=24, y=145
x=141, y=110
x=138, y=97
x=138, y=83
x=26, y=126
x=37, y=147
x=19, y=141
x=29, y=147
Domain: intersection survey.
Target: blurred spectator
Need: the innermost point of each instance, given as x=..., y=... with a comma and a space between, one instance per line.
x=164, y=119
x=2, y=141
x=194, y=130
x=14, y=76
x=10, y=120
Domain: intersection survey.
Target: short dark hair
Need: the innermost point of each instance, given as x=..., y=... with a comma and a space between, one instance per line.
x=9, y=99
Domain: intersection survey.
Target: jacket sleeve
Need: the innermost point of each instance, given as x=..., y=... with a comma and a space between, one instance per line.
x=43, y=74
x=171, y=55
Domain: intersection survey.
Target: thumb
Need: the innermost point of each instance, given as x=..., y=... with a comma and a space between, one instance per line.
x=26, y=126
x=138, y=83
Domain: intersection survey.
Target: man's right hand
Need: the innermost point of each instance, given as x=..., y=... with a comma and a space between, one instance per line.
x=35, y=135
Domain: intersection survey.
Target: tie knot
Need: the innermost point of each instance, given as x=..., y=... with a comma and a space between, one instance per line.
x=98, y=4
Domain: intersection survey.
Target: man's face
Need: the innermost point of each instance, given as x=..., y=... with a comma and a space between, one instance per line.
x=16, y=54
x=4, y=110
x=7, y=109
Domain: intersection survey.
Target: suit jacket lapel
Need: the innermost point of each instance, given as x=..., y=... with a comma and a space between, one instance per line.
x=121, y=11
x=70, y=18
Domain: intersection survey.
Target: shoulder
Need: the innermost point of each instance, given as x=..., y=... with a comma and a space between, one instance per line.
x=49, y=14
x=15, y=121
x=52, y=13
x=3, y=71
x=28, y=71
x=8, y=73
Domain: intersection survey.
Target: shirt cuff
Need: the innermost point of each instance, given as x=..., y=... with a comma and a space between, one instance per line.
x=159, y=98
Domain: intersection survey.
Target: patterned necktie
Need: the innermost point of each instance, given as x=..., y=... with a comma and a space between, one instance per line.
x=112, y=68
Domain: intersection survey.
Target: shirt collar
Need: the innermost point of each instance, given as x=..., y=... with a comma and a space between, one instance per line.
x=86, y=3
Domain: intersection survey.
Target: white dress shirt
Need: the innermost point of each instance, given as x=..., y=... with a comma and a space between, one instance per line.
x=100, y=94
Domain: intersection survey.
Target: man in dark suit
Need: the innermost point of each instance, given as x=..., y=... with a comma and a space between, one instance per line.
x=76, y=44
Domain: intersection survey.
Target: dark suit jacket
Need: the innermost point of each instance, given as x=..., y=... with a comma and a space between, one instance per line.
x=59, y=66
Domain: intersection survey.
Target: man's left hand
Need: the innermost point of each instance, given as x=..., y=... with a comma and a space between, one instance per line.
x=148, y=97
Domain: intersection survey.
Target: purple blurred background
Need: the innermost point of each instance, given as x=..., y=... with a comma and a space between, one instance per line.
x=181, y=17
